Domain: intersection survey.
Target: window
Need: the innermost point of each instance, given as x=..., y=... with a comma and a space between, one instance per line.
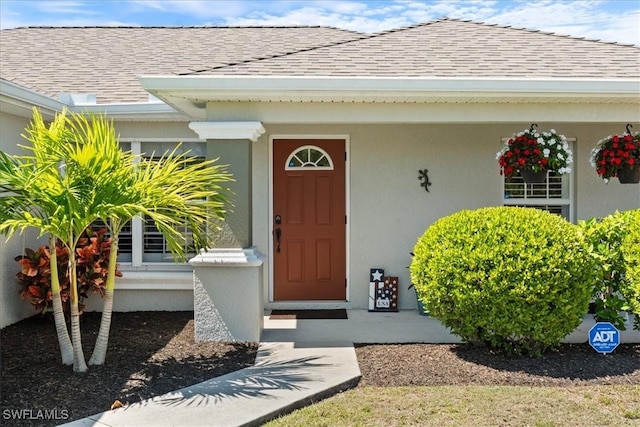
x=154, y=245
x=309, y=156
x=140, y=241
x=554, y=195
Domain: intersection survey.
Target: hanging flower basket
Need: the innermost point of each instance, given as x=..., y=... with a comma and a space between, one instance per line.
x=618, y=156
x=532, y=154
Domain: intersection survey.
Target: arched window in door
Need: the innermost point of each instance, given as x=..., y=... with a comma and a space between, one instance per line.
x=309, y=157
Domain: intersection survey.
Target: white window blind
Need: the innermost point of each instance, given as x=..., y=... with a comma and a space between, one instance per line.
x=553, y=195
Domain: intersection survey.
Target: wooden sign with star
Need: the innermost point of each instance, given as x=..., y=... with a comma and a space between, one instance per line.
x=383, y=291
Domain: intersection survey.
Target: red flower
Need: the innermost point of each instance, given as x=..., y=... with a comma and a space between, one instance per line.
x=615, y=152
x=526, y=151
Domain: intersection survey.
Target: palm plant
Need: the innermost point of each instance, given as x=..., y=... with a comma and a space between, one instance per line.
x=65, y=178
x=171, y=191
x=77, y=174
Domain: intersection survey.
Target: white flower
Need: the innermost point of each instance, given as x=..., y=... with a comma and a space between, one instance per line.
x=560, y=156
x=553, y=131
x=540, y=140
x=546, y=152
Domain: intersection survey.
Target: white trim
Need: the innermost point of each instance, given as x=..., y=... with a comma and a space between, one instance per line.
x=249, y=257
x=174, y=278
x=347, y=195
x=160, y=140
x=200, y=96
x=228, y=130
x=18, y=100
x=133, y=111
x=190, y=93
x=257, y=85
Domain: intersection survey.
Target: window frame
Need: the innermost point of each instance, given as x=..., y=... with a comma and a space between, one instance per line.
x=308, y=165
x=567, y=180
x=137, y=223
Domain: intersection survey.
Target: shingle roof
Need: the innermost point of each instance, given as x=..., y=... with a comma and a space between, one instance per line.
x=455, y=48
x=107, y=60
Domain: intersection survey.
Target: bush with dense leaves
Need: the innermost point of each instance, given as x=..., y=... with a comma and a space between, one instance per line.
x=92, y=257
x=516, y=279
x=615, y=241
x=631, y=253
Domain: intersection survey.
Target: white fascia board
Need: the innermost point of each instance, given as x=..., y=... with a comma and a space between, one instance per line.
x=20, y=101
x=389, y=89
x=134, y=111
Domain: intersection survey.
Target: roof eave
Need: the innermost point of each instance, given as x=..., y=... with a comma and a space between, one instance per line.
x=191, y=93
x=18, y=100
x=144, y=111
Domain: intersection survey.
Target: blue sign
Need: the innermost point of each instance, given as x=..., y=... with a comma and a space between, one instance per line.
x=604, y=337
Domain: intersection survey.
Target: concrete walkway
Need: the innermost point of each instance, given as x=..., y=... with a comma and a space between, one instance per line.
x=284, y=378
x=298, y=362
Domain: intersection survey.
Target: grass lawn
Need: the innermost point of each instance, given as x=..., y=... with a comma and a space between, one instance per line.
x=610, y=405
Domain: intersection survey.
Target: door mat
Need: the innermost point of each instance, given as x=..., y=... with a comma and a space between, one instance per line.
x=308, y=314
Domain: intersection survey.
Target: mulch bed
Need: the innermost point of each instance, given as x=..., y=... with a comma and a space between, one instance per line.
x=151, y=353
x=450, y=364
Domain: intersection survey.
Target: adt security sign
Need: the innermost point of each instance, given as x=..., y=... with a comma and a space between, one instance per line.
x=604, y=337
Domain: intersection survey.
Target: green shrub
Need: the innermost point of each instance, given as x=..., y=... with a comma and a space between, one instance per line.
x=615, y=241
x=516, y=279
x=631, y=253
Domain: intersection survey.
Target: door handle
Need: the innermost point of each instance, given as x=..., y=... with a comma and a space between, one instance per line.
x=278, y=234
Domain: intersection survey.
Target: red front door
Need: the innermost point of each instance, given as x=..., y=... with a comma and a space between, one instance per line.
x=309, y=231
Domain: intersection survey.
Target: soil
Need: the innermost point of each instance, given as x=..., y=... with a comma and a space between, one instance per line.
x=151, y=353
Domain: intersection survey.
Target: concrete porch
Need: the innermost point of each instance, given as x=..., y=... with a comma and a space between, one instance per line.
x=404, y=326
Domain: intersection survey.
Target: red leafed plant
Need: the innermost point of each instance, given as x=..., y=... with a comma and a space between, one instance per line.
x=93, y=261
x=35, y=276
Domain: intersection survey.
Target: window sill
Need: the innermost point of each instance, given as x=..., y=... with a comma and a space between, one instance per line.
x=156, y=277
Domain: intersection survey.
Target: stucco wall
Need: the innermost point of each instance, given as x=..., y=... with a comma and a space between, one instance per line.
x=12, y=307
x=388, y=208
